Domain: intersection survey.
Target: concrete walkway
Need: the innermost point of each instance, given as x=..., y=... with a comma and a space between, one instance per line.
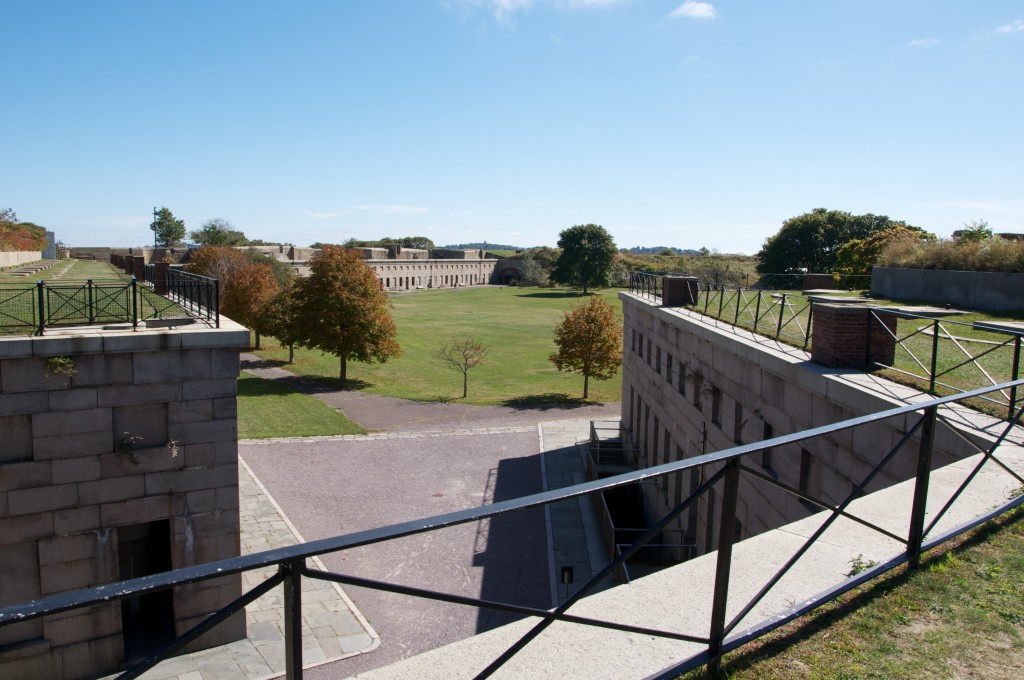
x=333, y=628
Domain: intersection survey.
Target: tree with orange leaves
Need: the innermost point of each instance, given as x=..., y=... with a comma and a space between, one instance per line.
x=589, y=341
x=247, y=294
x=341, y=309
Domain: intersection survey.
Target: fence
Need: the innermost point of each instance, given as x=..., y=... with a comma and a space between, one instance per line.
x=33, y=309
x=944, y=356
x=724, y=468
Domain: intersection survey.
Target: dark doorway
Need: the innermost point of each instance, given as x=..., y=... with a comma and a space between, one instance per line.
x=147, y=620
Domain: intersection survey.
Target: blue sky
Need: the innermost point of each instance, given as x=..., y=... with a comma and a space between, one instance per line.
x=675, y=123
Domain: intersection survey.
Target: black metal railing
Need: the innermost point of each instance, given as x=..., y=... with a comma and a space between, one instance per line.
x=51, y=304
x=918, y=423
x=777, y=315
x=943, y=355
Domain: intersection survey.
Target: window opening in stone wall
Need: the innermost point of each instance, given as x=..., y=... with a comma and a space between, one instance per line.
x=641, y=348
x=665, y=447
x=737, y=423
x=682, y=378
x=805, y=479
x=716, y=406
x=634, y=340
x=657, y=363
x=648, y=351
x=668, y=368
x=147, y=621
x=654, y=439
x=766, y=454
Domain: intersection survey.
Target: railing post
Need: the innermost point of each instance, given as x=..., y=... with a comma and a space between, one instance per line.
x=935, y=357
x=41, y=299
x=726, y=528
x=782, y=311
x=92, y=312
x=1015, y=369
x=810, y=319
x=135, y=305
x=736, y=318
x=924, y=465
x=721, y=299
x=757, y=311
x=216, y=300
x=292, y=619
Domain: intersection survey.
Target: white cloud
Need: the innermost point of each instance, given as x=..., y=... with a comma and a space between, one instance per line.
x=693, y=10
x=391, y=208
x=506, y=10
x=322, y=214
x=924, y=42
x=1016, y=26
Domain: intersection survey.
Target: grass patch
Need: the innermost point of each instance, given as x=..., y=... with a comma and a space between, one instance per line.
x=960, y=615
x=515, y=324
x=268, y=409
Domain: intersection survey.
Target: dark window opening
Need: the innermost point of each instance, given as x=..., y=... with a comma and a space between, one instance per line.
x=805, y=479
x=716, y=406
x=668, y=369
x=737, y=423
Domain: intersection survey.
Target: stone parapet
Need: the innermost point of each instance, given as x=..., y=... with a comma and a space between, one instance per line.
x=140, y=439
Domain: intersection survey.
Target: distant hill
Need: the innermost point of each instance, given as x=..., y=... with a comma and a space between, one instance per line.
x=484, y=246
x=658, y=250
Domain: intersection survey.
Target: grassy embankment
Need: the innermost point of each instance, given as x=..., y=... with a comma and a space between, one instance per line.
x=515, y=324
x=961, y=615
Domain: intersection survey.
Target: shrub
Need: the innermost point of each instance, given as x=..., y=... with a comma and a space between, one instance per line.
x=990, y=255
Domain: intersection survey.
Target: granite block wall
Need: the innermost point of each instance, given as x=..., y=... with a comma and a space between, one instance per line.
x=142, y=430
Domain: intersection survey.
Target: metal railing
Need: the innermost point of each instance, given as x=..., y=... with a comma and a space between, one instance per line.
x=943, y=355
x=49, y=304
x=772, y=314
x=198, y=295
x=917, y=422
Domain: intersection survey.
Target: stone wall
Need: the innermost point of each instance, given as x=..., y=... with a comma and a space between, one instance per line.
x=690, y=388
x=984, y=291
x=143, y=432
x=19, y=257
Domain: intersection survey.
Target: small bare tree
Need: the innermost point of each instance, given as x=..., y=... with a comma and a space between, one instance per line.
x=462, y=354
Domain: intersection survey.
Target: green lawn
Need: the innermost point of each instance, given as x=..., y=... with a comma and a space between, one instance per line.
x=515, y=324
x=267, y=409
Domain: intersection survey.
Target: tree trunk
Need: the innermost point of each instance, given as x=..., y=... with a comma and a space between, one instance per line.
x=465, y=383
x=344, y=371
x=257, y=340
x=291, y=353
x=586, y=384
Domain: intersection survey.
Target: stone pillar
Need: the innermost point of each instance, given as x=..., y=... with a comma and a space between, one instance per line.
x=160, y=270
x=850, y=336
x=138, y=267
x=677, y=291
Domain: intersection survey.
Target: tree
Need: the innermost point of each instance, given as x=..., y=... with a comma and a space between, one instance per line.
x=279, y=318
x=247, y=295
x=974, y=231
x=341, y=309
x=533, y=273
x=810, y=241
x=218, y=262
x=586, y=259
x=589, y=341
x=168, y=229
x=860, y=255
x=218, y=232
x=462, y=354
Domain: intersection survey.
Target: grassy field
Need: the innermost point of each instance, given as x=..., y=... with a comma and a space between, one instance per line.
x=267, y=409
x=960, y=615
x=515, y=324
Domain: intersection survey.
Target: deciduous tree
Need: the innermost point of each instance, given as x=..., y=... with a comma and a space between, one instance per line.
x=589, y=341
x=168, y=229
x=860, y=255
x=246, y=296
x=586, y=259
x=462, y=354
x=341, y=309
x=810, y=241
x=218, y=262
x=217, y=232
x=280, y=317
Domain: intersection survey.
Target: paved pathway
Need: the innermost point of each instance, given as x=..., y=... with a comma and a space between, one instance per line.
x=333, y=628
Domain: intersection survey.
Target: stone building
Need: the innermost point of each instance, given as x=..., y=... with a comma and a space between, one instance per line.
x=692, y=386
x=118, y=459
